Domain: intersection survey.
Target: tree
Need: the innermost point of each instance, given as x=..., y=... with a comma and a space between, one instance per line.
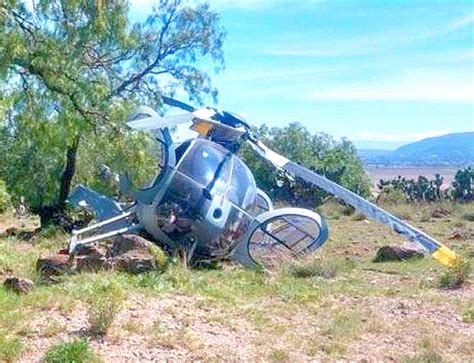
x=463, y=185
x=337, y=161
x=71, y=71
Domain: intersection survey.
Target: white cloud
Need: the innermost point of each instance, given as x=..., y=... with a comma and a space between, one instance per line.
x=397, y=137
x=410, y=86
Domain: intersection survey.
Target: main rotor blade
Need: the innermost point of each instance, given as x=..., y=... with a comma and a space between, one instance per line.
x=155, y=122
x=175, y=103
x=439, y=251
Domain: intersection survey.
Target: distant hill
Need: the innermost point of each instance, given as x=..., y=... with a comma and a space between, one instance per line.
x=451, y=149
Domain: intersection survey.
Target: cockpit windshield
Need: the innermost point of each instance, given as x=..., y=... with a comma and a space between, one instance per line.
x=220, y=171
x=204, y=161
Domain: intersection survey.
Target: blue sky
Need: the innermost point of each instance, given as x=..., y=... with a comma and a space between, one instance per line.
x=391, y=71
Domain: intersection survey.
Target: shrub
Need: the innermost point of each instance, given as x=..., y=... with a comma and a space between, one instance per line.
x=76, y=351
x=104, y=306
x=455, y=276
x=161, y=258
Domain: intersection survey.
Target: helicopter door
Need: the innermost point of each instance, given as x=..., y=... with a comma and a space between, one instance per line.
x=281, y=235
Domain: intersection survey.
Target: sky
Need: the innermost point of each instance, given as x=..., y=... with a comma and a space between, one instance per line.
x=385, y=71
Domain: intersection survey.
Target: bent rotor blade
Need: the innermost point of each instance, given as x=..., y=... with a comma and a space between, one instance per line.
x=155, y=122
x=439, y=251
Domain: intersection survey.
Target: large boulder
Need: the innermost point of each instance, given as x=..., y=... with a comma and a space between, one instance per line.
x=128, y=253
x=128, y=242
x=134, y=254
x=54, y=265
x=134, y=262
x=19, y=285
x=397, y=253
x=89, y=263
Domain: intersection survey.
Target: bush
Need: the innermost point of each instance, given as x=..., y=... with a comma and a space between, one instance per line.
x=455, y=276
x=104, y=306
x=161, y=258
x=76, y=351
x=5, y=200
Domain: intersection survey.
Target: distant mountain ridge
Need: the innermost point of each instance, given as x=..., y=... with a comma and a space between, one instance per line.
x=451, y=149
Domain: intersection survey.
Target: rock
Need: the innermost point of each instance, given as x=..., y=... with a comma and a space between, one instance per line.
x=89, y=250
x=19, y=285
x=89, y=263
x=397, y=253
x=128, y=242
x=54, y=265
x=134, y=262
x=440, y=213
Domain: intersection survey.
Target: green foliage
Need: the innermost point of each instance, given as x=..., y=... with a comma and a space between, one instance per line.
x=76, y=351
x=423, y=189
x=420, y=190
x=463, y=185
x=74, y=70
x=5, y=200
x=338, y=161
x=161, y=258
x=454, y=276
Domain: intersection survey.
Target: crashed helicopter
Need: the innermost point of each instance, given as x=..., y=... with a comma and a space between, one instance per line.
x=205, y=200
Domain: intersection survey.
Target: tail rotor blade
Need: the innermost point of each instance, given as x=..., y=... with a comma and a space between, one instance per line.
x=439, y=251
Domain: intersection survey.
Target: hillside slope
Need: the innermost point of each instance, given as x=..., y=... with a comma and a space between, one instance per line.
x=450, y=149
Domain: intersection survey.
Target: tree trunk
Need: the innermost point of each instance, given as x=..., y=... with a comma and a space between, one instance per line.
x=68, y=173
x=55, y=214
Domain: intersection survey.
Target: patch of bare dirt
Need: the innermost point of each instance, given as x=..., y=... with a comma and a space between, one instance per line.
x=168, y=328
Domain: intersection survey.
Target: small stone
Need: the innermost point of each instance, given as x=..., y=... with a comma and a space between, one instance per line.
x=397, y=253
x=19, y=285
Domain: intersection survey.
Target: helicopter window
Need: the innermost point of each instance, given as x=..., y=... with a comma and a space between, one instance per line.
x=242, y=188
x=203, y=161
x=152, y=154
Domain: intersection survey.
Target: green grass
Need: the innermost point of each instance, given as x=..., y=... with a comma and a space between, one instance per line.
x=76, y=351
x=279, y=355
x=455, y=276
x=468, y=314
x=10, y=347
x=343, y=325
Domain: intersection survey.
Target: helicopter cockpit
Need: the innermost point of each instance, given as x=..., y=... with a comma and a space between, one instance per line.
x=205, y=199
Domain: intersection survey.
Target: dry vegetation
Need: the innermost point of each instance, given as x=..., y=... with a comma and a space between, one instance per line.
x=335, y=306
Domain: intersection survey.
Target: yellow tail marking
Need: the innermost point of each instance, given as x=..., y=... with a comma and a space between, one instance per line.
x=444, y=255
